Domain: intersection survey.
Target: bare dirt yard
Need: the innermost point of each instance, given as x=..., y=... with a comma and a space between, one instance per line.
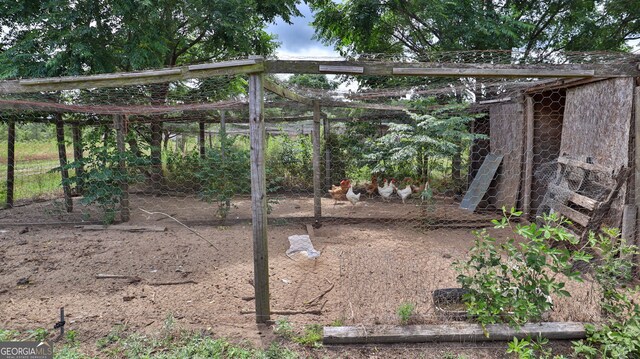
x=371, y=267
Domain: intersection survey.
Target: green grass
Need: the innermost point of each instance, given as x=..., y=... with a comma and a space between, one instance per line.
x=33, y=175
x=171, y=342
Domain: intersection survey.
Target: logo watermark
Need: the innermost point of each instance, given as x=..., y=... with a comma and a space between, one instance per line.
x=26, y=350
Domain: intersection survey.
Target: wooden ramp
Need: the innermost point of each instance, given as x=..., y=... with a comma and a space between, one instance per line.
x=450, y=332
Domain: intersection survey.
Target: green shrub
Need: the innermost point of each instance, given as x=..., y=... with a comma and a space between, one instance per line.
x=512, y=281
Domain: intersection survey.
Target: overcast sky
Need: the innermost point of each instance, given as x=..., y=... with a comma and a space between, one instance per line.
x=296, y=39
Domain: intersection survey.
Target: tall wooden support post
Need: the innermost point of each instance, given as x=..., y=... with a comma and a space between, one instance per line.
x=317, y=185
x=11, y=161
x=259, y=197
x=327, y=153
x=528, y=156
x=636, y=147
x=156, y=153
x=223, y=144
x=118, y=124
x=62, y=155
x=78, y=150
x=201, y=139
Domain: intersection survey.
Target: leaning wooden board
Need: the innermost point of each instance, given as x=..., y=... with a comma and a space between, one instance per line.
x=481, y=182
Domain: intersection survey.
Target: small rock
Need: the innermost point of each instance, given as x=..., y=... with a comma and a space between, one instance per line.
x=446, y=255
x=24, y=230
x=23, y=281
x=128, y=298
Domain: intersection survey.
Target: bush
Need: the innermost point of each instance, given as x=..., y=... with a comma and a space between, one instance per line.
x=512, y=282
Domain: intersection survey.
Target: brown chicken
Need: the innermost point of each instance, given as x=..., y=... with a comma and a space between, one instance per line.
x=419, y=189
x=372, y=188
x=339, y=193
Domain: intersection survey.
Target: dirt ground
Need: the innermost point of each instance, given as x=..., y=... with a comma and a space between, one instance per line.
x=373, y=268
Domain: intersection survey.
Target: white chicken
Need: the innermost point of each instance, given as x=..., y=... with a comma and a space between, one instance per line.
x=387, y=189
x=404, y=193
x=352, y=197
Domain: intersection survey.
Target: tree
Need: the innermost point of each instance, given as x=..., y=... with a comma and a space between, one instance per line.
x=65, y=37
x=406, y=148
x=313, y=81
x=418, y=27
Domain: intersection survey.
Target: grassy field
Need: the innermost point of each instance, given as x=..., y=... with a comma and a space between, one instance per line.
x=34, y=177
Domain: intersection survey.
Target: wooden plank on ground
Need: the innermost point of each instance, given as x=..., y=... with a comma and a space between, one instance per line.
x=481, y=182
x=126, y=228
x=451, y=332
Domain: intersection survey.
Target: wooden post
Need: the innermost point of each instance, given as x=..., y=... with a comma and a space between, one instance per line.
x=223, y=144
x=77, y=155
x=636, y=148
x=11, y=161
x=528, y=154
x=317, y=186
x=223, y=134
x=201, y=139
x=156, y=153
x=259, y=197
x=327, y=154
x=118, y=123
x=62, y=155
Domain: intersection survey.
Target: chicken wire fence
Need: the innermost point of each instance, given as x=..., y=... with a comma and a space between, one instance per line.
x=406, y=171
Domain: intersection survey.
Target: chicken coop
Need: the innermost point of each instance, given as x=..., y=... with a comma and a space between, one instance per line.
x=400, y=171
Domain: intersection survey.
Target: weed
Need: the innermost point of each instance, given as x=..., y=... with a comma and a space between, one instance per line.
x=405, y=312
x=8, y=334
x=312, y=336
x=283, y=328
x=71, y=336
x=337, y=323
x=38, y=334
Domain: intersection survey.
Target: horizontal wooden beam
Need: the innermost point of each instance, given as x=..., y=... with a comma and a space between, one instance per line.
x=36, y=106
x=363, y=105
x=282, y=91
x=493, y=72
x=451, y=332
x=132, y=78
x=587, y=166
x=358, y=70
x=381, y=68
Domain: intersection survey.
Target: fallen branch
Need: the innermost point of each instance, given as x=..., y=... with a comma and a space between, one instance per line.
x=287, y=312
x=130, y=278
x=316, y=299
x=174, y=283
x=123, y=228
x=182, y=224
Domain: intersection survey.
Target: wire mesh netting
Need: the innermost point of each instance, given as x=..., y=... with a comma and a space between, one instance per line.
x=407, y=170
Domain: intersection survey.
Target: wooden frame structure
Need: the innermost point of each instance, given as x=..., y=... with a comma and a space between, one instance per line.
x=256, y=68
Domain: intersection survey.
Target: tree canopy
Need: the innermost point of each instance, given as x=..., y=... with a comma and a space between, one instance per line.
x=418, y=27
x=67, y=37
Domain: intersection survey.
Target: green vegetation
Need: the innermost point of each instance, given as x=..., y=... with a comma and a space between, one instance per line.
x=405, y=312
x=513, y=281
x=311, y=336
x=420, y=27
x=171, y=342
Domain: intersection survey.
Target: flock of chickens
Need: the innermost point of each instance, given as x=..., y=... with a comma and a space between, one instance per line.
x=345, y=192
